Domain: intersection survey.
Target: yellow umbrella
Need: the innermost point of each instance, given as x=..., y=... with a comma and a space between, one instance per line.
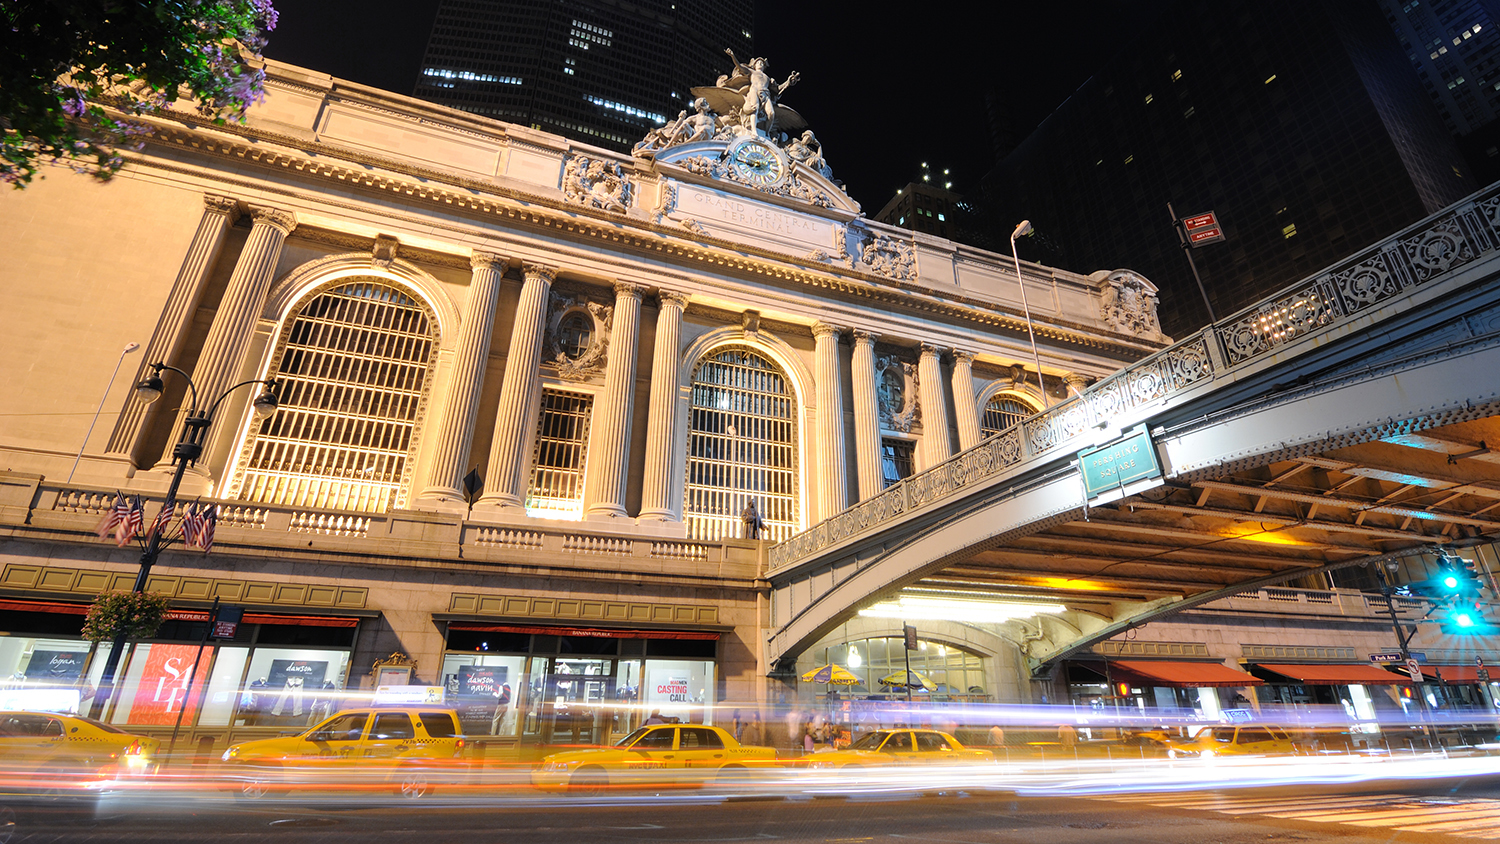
x=908, y=678
x=835, y=675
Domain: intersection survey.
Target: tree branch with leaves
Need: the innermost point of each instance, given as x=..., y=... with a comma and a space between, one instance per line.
x=73, y=74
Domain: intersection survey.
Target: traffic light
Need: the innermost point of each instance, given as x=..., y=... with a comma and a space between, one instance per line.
x=1465, y=618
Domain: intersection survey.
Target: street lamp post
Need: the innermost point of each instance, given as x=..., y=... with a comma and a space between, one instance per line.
x=1023, y=230
x=187, y=451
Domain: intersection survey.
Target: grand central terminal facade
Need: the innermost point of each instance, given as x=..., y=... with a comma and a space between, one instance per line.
x=528, y=391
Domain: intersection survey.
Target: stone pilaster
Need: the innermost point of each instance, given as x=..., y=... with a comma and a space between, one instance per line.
x=609, y=435
x=935, y=446
x=964, y=405
x=658, y=503
x=1077, y=383
x=223, y=356
x=455, y=430
x=832, y=474
x=219, y=213
x=520, y=394
x=866, y=415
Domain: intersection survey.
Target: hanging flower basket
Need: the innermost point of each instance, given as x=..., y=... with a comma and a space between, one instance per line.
x=138, y=615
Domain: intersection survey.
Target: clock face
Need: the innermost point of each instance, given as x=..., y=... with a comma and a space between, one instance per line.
x=757, y=163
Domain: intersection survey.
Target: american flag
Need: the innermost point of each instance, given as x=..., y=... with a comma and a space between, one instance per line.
x=130, y=526
x=113, y=516
x=192, y=523
x=210, y=518
x=163, y=518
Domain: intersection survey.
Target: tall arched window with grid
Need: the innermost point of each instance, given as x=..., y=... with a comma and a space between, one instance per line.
x=352, y=363
x=742, y=446
x=1001, y=412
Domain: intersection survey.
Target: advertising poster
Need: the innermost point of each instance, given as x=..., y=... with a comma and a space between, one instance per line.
x=291, y=684
x=478, y=693
x=164, y=682
x=56, y=666
x=669, y=690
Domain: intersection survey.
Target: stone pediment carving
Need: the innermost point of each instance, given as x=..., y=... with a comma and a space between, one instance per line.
x=596, y=183
x=890, y=257
x=1127, y=302
x=896, y=392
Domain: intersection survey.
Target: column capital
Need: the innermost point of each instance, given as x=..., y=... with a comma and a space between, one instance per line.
x=264, y=215
x=865, y=336
x=626, y=290
x=672, y=297
x=932, y=349
x=480, y=260
x=538, y=271
x=963, y=356
x=823, y=329
x=226, y=205
x=1077, y=382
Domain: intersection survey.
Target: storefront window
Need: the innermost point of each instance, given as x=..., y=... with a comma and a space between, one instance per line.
x=42, y=673
x=681, y=689
x=483, y=688
x=292, y=687
x=222, y=695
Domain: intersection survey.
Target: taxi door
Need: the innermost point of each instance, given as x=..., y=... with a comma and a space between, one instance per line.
x=700, y=747
x=656, y=749
x=334, y=742
x=933, y=749
x=392, y=734
x=29, y=740
x=1256, y=741
x=900, y=747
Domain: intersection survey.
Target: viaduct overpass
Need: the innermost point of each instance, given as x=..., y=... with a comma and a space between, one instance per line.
x=1342, y=421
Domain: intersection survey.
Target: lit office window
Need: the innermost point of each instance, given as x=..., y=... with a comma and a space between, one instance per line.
x=557, y=464
x=742, y=446
x=1003, y=412
x=352, y=371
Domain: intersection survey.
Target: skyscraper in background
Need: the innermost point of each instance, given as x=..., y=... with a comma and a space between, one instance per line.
x=605, y=73
x=1309, y=141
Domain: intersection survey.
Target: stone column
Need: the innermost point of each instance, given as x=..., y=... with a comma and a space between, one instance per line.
x=866, y=415
x=832, y=474
x=935, y=445
x=609, y=434
x=964, y=405
x=219, y=213
x=223, y=356
x=657, y=501
x=455, y=432
x=1077, y=383
x=520, y=393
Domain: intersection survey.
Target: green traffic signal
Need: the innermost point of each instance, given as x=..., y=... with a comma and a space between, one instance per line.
x=1450, y=581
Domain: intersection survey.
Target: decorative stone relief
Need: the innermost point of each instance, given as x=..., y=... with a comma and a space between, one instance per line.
x=792, y=187
x=890, y=257
x=896, y=392
x=1127, y=302
x=596, y=183
x=383, y=253
x=591, y=360
x=666, y=203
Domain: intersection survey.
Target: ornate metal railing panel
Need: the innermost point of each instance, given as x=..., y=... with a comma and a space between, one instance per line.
x=1446, y=241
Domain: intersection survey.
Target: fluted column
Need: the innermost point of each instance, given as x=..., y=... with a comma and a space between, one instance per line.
x=935, y=446
x=833, y=483
x=219, y=213
x=964, y=406
x=223, y=355
x=609, y=435
x=866, y=415
x=455, y=431
x=657, y=501
x=520, y=391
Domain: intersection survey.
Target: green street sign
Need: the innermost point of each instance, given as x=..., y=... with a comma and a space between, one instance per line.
x=1116, y=464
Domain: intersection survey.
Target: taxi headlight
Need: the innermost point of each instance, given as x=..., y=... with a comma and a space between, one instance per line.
x=1207, y=754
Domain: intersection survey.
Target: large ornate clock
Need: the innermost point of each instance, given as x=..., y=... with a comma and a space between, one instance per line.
x=755, y=162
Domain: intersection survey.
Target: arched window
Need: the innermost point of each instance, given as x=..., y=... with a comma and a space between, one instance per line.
x=742, y=446
x=352, y=368
x=1002, y=412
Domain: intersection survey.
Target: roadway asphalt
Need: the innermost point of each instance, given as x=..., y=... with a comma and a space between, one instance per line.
x=1372, y=812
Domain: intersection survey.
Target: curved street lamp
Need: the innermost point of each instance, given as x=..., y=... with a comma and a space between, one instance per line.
x=187, y=452
x=1022, y=230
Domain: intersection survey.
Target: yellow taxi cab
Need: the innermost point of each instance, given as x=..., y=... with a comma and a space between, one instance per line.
x=405, y=747
x=47, y=751
x=659, y=754
x=1234, y=740
x=900, y=747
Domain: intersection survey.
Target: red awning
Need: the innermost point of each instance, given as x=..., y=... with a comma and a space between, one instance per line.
x=45, y=606
x=1340, y=675
x=1453, y=673
x=598, y=632
x=188, y=615
x=1181, y=675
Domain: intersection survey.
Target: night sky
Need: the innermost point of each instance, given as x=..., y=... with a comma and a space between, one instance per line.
x=883, y=92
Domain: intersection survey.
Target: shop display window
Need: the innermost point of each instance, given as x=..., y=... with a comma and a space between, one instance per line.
x=292, y=687
x=487, y=691
x=43, y=673
x=222, y=695
x=680, y=689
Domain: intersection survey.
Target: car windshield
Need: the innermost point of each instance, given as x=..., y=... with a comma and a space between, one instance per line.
x=631, y=739
x=869, y=741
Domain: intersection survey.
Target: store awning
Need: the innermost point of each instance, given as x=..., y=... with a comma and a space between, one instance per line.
x=1340, y=675
x=1181, y=675
x=44, y=606
x=1453, y=673
x=597, y=632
